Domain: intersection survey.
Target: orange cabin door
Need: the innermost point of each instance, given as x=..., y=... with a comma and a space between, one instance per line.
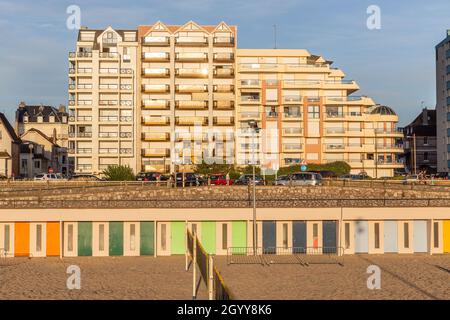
x=53, y=239
x=22, y=239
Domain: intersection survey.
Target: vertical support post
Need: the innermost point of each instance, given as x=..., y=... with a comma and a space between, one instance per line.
x=210, y=277
x=431, y=236
x=186, y=253
x=194, y=267
x=341, y=223
x=61, y=239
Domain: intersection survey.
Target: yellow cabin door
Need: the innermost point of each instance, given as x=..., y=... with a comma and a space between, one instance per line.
x=446, y=236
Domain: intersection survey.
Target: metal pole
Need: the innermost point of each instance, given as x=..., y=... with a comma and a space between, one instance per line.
x=415, y=154
x=376, y=154
x=194, y=266
x=186, y=246
x=211, y=277
x=254, y=192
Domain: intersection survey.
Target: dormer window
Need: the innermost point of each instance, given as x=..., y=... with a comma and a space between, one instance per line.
x=109, y=38
x=51, y=119
x=40, y=119
x=25, y=119
x=64, y=119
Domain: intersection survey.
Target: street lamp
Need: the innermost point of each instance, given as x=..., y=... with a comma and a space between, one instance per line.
x=254, y=125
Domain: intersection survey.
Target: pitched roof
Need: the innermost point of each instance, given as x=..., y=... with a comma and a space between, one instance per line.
x=39, y=110
x=40, y=133
x=144, y=29
x=9, y=128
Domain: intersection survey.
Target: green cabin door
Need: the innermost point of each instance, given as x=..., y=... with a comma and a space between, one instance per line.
x=178, y=229
x=147, y=238
x=84, y=238
x=116, y=238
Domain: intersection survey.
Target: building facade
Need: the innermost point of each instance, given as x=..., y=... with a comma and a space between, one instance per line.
x=420, y=143
x=193, y=92
x=102, y=99
x=9, y=149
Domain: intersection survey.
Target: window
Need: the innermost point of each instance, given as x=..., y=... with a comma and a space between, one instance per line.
x=51, y=119
x=70, y=237
x=6, y=243
x=101, y=237
x=24, y=164
x=132, y=237
x=406, y=235
x=313, y=112
x=436, y=234
x=163, y=237
x=347, y=235
x=37, y=164
x=224, y=236
x=377, y=235
x=38, y=238
x=425, y=140
x=315, y=235
x=285, y=235
x=425, y=156
x=40, y=119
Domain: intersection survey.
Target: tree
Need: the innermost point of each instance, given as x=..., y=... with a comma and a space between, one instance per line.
x=338, y=167
x=118, y=173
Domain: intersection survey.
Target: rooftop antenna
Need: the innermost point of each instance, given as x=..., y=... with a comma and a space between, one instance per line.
x=275, y=35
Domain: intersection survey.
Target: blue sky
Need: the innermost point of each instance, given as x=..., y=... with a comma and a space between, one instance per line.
x=394, y=65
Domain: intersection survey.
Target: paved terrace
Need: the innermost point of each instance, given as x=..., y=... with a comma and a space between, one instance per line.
x=145, y=195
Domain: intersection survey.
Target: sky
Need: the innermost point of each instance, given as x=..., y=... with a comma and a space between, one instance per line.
x=395, y=65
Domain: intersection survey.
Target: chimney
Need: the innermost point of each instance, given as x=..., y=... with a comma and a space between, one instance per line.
x=425, y=116
x=22, y=105
x=62, y=108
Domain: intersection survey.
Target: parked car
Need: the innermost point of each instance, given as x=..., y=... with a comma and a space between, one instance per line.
x=190, y=179
x=84, y=177
x=282, y=181
x=246, y=179
x=326, y=174
x=350, y=176
x=220, y=180
x=148, y=176
x=442, y=175
x=414, y=178
x=305, y=179
x=48, y=177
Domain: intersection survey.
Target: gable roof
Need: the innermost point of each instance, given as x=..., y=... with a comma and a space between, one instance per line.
x=41, y=134
x=9, y=128
x=143, y=30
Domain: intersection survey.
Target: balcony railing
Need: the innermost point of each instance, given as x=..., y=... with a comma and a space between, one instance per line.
x=335, y=146
x=84, y=135
x=223, y=41
x=126, y=150
x=108, y=134
x=155, y=121
x=108, y=118
x=126, y=118
x=109, y=86
x=223, y=57
x=156, y=104
x=191, y=104
x=84, y=102
x=113, y=71
x=108, y=102
x=223, y=88
x=108, y=55
x=291, y=115
x=126, y=71
x=155, y=88
x=292, y=131
x=84, y=118
x=108, y=150
x=156, y=41
x=251, y=99
x=80, y=55
x=83, y=167
x=126, y=103
x=190, y=121
x=191, y=73
x=292, y=98
x=335, y=130
x=188, y=88
x=223, y=105
x=223, y=121
x=155, y=136
x=250, y=115
x=191, y=56
x=84, y=70
x=84, y=150
x=156, y=72
x=126, y=135
x=292, y=147
x=191, y=40
x=155, y=152
x=223, y=72
x=156, y=56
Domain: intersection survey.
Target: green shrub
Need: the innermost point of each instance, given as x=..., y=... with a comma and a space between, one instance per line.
x=118, y=173
x=339, y=168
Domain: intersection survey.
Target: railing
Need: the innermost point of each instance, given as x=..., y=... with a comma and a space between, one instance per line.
x=335, y=130
x=191, y=56
x=250, y=82
x=84, y=70
x=226, y=41
x=108, y=118
x=84, y=134
x=108, y=86
x=108, y=55
x=109, y=70
x=155, y=87
x=156, y=56
x=124, y=71
x=223, y=72
x=198, y=40
x=191, y=88
x=156, y=40
x=84, y=150
x=108, y=150
x=223, y=88
x=292, y=98
x=223, y=56
x=292, y=115
x=250, y=99
x=84, y=118
x=292, y=146
x=335, y=146
x=156, y=72
x=127, y=103
x=126, y=118
x=292, y=131
x=108, y=102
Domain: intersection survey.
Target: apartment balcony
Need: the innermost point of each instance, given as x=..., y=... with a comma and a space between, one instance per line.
x=191, y=121
x=155, y=121
x=108, y=103
x=155, y=136
x=223, y=41
x=250, y=100
x=80, y=135
x=155, y=88
x=191, y=136
x=108, y=135
x=340, y=116
x=160, y=167
x=223, y=121
x=108, y=119
x=334, y=131
x=126, y=103
x=106, y=151
x=156, y=56
x=250, y=83
x=250, y=115
x=83, y=71
x=109, y=72
x=191, y=57
x=388, y=164
x=292, y=99
x=197, y=41
x=126, y=87
x=292, y=132
x=259, y=67
x=82, y=118
x=155, y=152
x=354, y=132
x=80, y=55
x=108, y=87
x=156, y=104
x=223, y=105
x=156, y=41
x=190, y=88
x=389, y=133
x=191, y=104
x=156, y=72
x=390, y=148
x=191, y=73
x=223, y=72
x=80, y=87
x=128, y=151
x=292, y=147
x=294, y=116
x=335, y=147
x=126, y=119
x=349, y=100
x=126, y=72
x=84, y=167
x=82, y=103
x=310, y=68
x=84, y=150
x=223, y=57
x=354, y=147
x=223, y=88
x=108, y=56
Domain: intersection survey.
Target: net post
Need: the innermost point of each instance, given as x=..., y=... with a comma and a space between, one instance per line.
x=186, y=239
x=210, y=277
x=194, y=267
